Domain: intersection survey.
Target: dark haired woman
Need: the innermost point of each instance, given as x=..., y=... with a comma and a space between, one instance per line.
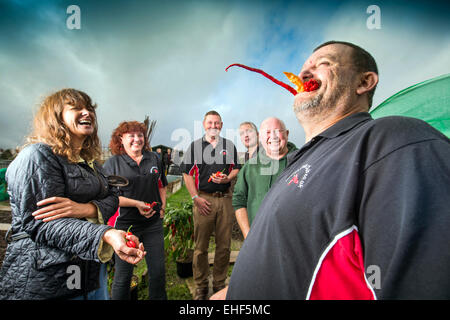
x=133, y=160
x=54, y=186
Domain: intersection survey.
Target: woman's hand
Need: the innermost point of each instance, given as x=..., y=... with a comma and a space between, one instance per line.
x=118, y=240
x=144, y=209
x=60, y=207
x=220, y=179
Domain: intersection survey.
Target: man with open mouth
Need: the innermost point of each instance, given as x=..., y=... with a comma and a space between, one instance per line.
x=361, y=210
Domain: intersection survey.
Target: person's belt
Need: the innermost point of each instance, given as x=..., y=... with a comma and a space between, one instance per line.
x=217, y=194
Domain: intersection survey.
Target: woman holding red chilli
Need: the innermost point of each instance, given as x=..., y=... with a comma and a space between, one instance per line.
x=59, y=200
x=141, y=205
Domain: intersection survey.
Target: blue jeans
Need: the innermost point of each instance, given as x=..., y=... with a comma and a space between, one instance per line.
x=153, y=239
x=102, y=292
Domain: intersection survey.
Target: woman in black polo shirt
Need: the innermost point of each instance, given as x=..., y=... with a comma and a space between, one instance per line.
x=133, y=159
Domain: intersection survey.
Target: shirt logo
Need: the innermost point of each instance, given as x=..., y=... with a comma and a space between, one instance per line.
x=224, y=152
x=298, y=177
x=154, y=169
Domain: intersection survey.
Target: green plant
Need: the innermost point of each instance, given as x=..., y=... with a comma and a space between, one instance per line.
x=179, y=231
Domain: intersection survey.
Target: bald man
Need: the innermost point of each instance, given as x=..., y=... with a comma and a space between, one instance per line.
x=260, y=172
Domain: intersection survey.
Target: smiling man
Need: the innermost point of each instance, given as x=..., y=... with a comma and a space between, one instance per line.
x=211, y=194
x=361, y=210
x=257, y=175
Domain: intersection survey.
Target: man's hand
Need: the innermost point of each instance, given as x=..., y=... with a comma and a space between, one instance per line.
x=221, y=179
x=203, y=206
x=220, y=295
x=60, y=207
x=118, y=239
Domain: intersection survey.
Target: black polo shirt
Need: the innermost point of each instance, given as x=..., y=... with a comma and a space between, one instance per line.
x=385, y=183
x=144, y=182
x=201, y=160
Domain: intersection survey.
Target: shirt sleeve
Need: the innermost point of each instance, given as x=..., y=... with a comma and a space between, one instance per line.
x=404, y=219
x=240, y=193
x=188, y=161
x=107, y=205
x=236, y=165
x=105, y=250
x=162, y=181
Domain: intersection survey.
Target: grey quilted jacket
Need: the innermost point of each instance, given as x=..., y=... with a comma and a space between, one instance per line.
x=41, y=264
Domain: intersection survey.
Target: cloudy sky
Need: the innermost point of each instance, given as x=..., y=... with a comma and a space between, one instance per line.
x=166, y=59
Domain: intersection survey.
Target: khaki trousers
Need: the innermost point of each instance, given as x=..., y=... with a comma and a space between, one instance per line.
x=219, y=220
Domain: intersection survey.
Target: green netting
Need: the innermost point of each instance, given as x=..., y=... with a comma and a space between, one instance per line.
x=3, y=194
x=428, y=100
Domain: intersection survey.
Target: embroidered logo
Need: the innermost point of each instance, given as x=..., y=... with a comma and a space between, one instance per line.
x=294, y=179
x=154, y=169
x=299, y=176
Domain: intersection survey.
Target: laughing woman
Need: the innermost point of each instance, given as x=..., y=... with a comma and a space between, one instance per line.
x=133, y=160
x=54, y=187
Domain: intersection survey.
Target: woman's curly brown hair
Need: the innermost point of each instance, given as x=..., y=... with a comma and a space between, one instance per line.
x=49, y=126
x=115, y=145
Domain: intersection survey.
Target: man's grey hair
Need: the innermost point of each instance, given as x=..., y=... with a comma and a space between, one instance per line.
x=250, y=124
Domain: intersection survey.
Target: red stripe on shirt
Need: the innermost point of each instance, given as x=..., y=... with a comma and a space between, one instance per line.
x=340, y=272
x=194, y=172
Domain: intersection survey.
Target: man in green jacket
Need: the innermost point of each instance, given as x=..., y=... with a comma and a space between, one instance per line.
x=260, y=172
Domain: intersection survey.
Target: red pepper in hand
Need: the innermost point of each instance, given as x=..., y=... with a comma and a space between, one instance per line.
x=154, y=203
x=130, y=243
x=215, y=175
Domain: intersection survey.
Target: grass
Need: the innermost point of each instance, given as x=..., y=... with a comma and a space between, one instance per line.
x=179, y=196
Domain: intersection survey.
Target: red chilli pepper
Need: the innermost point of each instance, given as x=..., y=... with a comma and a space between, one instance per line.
x=268, y=76
x=311, y=85
x=216, y=175
x=130, y=243
x=154, y=203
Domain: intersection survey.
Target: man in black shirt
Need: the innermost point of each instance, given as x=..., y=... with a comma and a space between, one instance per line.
x=208, y=166
x=361, y=211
